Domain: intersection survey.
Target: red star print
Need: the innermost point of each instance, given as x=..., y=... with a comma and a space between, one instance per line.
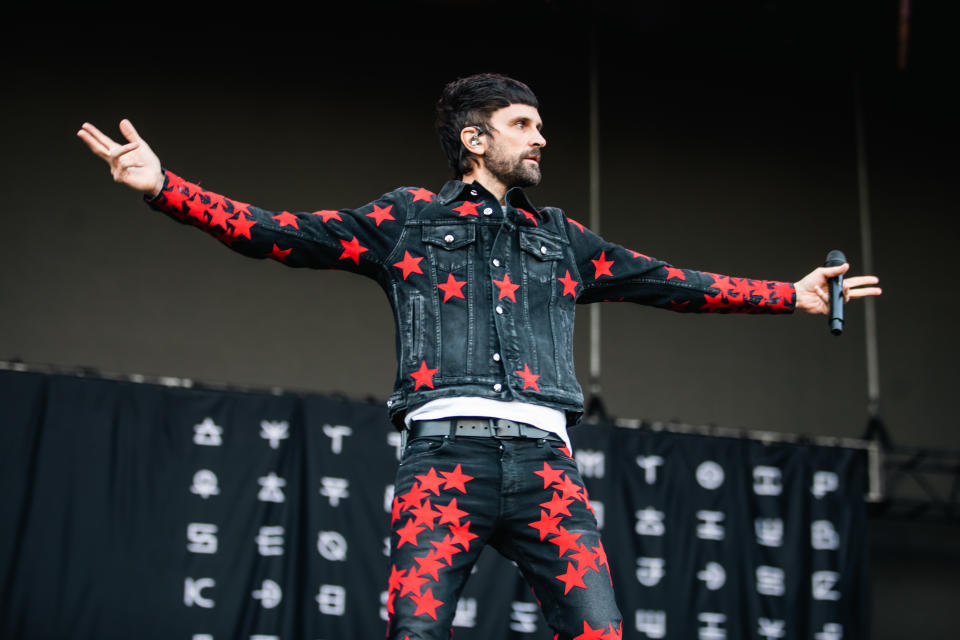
x=569, y=489
x=328, y=215
x=430, y=481
x=241, y=226
x=614, y=634
x=601, y=555
x=380, y=214
x=675, y=273
x=565, y=452
x=722, y=283
x=452, y=288
x=196, y=209
x=451, y=513
x=445, y=549
x=411, y=499
x=565, y=541
x=456, y=479
x=391, y=596
x=549, y=475
x=569, y=285
x=425, y=514
x=352, y=250
x=585, y=558
x=576, y=224
x=557, y=505
x=639, y=255
x=427, y=604
x=219, y=217
x=421, y=194
x=395, y=510
x=411, y=583
x=287, y=219
x=461, y=535
x=408, y=533
x=546, y=524
x=602, y=266
x=529, y=379
x=423, y=376
x=507, y=288
x=278, y=254
x=741, y=287
x=409, y=264
x=713, y=302
x=393, y=583
x=673, y=305
x=572, y=578
x=784, y=291
x=532, y=218
x=590, y=634
x=467, y=209
x=429, y=565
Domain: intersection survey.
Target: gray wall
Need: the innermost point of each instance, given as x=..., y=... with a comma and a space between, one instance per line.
x=727, y=144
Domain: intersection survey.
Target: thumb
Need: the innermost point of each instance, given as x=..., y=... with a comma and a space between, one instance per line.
x=832, y=272
x=128, y=131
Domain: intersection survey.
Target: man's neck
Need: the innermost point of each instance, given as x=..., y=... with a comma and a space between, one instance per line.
x=488, y=182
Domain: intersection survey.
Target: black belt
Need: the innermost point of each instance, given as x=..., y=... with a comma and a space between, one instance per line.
x=477, y=427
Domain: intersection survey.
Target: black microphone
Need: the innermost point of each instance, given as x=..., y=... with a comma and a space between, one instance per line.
x=834, y=259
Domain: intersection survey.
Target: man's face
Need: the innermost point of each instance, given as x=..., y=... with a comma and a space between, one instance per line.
x=514, y=142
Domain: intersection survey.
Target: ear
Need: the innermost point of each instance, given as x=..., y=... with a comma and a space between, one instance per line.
x=473, y=140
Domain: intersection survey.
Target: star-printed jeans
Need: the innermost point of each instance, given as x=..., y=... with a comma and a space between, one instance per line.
x=524, y=497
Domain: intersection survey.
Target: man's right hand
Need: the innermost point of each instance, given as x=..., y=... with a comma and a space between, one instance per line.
x=133, y=164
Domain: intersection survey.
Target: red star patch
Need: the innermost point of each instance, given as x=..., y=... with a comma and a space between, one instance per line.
x=722, y=284
x=451, y=513
x=529, y=216
x=601, y=555
x=614, y=634
x=452, y=288
x=741, y=287
x=408, y=533
x=529, y=379
x=590, y=634
x=395, y=510
x=467, y=209
x=557, y=505
x=423, y=376
x=546, y=524
x=713, y=302
x=427, y=604
x=565, y=541
x=411, y=499
x=445, y=549
x=196, y=209
x=675, y=273
x=507, y=288
x=425, y=514
x=456, y=479
x=287, y=219
x=569, y=489
x=430, y=481
x=602, y=266
x=421, y=194
x=585, y=558
x=352, y=250
x=639, y=255
x=461, y=535
x=328, y=215
x=409, y=264
x=241, y=226
x=278, y=254
x=429, y=565
x=380, y=214
x=550, y=475
x=576, y=224
x=572, y=578
x=673, y=305
x=219, y=217
x=784, y=291
x=393, y=583
x=411, y=583
x=569, y=285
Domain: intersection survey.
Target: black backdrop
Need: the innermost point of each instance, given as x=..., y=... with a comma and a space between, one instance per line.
x=158, y=512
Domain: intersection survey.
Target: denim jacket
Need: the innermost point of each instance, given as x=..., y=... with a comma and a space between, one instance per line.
x=483, y=296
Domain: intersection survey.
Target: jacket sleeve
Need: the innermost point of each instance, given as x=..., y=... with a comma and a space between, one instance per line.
x=610, y=272
x=352, y=239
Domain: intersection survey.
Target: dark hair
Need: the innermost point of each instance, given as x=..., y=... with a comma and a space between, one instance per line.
x=469, y=101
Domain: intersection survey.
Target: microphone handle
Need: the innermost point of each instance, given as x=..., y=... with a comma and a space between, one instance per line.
x=834, y=259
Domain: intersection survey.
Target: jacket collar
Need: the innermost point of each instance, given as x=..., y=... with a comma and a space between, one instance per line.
x=455, y=190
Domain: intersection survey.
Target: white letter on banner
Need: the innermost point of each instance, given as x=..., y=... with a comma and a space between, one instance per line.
x=772, y=629
x=591, y=463
x=713, y=576
x=831, y=631
x=202, y=537
x=207, y=433
x=336, y=433
x=769, y=531
x=335, y=489
x=824, y=482
x=767, y=481
x=650, y=571
x=598, y=510
x=332, y=599
x=652, y=624
x=649, y=465
x=270, y=541
x=394, y=440
x=332, y=545
x=271, y=488
x=205, y=484
x=710, y=475
x=823, y=585
x=823, y=535
x=269, y=594
x=710, y=528
x=274, y=431
x=193, y=592
x=771, y=581
x=523, y=617
x=466, y=615
x=713, y=630
x=650, y=522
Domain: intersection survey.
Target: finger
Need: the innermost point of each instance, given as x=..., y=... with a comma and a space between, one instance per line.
x=99, y=136
x=94, y=145
x=832, y=272
x=128, y=131
x=864, y=292
x=117, y=152
x=859, y=281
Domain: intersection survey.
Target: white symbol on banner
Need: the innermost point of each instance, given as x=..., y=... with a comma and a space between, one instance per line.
x=652, y=624
x=260, y=636
x=332, y=545
x=388, y=498
x=649, y=465
x=710, y=528
x=466, y=615
x=205, y=484
x=271, y=488
x=823, y=584
x=713, y=576
x=590, y=463
x=770, y=581
x=270, y=541
x=823, y=535
x=336, y=433
x=386, y=547
x=650, y=571
x=269, y=594
x=824, y=482
x=767, y=481
x=207, y=433
x=193, y=592
x=202, y=537
x=650, y=522
x=332, y=599
x=384, y=596
x=274, y=431
x=713, y=630
x=772, y=629
x=202, y=636
x=394, y=440
x=769, y=531
x=335, y=489
x=598, y=512
x=523, y=617
x=710, y=475
x=831, y=631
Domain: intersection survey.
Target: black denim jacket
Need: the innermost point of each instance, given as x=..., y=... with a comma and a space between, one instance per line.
x=483, y=297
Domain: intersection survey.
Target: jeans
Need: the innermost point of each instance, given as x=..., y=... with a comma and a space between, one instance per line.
x=524, y=497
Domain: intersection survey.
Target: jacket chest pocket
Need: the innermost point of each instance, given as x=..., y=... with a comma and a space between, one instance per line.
x=449, y=246
x=541, y=255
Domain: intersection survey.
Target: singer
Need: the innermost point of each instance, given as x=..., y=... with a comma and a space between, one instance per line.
x=483, y=285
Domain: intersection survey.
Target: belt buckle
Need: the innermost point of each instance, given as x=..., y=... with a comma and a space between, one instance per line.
x=500, y=429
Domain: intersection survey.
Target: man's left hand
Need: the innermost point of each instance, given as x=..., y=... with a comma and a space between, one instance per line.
x=813, y=291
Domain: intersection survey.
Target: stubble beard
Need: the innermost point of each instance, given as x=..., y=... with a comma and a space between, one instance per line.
x=513, y=173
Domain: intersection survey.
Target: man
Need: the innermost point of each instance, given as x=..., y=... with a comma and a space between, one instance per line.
x=483, y=287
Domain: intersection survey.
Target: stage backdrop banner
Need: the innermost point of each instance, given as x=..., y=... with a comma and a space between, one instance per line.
x=140, y=510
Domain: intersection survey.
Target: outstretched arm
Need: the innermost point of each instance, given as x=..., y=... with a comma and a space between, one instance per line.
x=812, y=291
x=133, y=164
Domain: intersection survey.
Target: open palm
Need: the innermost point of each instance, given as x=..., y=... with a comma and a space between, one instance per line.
x=133, y=164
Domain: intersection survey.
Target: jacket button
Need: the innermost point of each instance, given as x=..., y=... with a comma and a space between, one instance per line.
x=473, y=192
x=543, y=250
x=496, y=262
x=497, y=387
x=487, y=211
x=448, y=238
x=499, y=309
x=496, y=357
